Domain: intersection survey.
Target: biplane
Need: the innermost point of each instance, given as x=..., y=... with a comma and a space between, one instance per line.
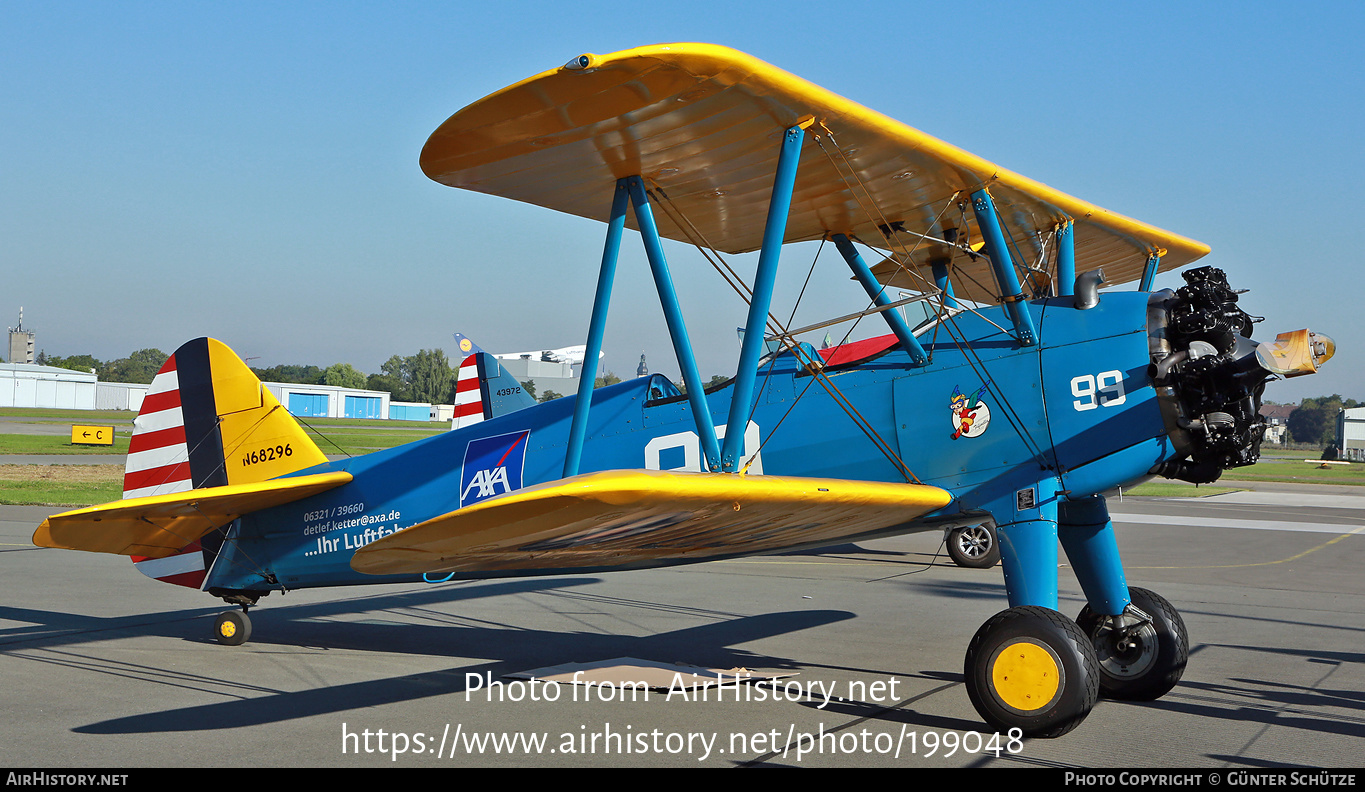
x=1021, y=397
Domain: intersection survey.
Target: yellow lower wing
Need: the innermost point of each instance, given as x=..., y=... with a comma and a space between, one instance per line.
x=636, y=517
x=159, y=525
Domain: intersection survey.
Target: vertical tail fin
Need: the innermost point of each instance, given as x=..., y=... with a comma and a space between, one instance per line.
x=208, y=422
x=471, y=397
x=483, y=388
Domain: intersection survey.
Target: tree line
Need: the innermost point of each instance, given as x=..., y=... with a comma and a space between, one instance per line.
x=138, y=367
x=1315, y=421
x=424, y=377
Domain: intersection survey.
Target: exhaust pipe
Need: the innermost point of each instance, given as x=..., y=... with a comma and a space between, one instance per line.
x=1088, y=289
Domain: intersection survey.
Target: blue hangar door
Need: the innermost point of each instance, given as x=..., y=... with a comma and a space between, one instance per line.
x=308, y=404
x=362, y=406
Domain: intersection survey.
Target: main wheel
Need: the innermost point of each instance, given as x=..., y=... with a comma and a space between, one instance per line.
x=232, y=628
x=974, y=546
x=1142, y=662
x=1032, y=669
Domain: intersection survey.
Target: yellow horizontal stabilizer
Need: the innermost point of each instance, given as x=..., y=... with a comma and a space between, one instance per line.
x=703, y=123
x=159, y=525
x=640, y=517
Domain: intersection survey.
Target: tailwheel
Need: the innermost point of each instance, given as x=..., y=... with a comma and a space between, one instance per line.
x=1142, y=652
x=232, y=628
x=1032, y=669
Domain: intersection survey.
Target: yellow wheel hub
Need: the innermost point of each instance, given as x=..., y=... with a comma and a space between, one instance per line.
x=227, y=629
x=1026, y=676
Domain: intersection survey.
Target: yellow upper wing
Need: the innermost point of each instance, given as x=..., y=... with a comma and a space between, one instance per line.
x=640, y=517
x=703, y=122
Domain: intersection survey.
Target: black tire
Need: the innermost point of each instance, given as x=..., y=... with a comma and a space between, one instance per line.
x=232, y=628
x=1155, y=657
x=1032, y=669
x=974, y=546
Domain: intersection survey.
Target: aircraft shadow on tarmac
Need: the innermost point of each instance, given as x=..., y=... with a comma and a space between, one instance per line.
x=1247, y=761
x=1273, y=703
x=1230, y=711
x=1295, y=695
x=960, y=589
x=402, y=631
x=902, y=712
x=48, y=628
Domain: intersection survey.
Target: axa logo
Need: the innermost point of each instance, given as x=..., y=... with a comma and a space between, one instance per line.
x=492, y=466
x=488, y=482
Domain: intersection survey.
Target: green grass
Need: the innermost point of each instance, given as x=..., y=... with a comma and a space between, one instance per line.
x=353, y=436
x=1294, y=471
x=359, y=446
x=118, y=423
x=19, y=493
x=1267, y=453
x=1163, y=489
x=56, y=444
x=373, y=422
x=60, y=485
x=1286, y=467
x=354, y=443
x=355, y=431
x=74, y=416
x=357, y=436
x=361, y=441
x=351, y=441
x=126, y=417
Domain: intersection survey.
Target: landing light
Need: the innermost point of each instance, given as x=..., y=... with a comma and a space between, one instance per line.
x=581, y=63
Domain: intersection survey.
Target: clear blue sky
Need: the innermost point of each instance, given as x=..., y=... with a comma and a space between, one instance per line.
x=249, y=170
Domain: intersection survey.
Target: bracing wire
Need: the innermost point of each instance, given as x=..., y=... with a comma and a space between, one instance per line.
x=697, y=238
x=949, y=322
x=903, y=254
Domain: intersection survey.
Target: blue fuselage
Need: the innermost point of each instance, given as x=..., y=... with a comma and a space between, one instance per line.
x=985, y=418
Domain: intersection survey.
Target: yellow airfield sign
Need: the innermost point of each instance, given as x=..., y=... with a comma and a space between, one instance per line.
x=92, y=435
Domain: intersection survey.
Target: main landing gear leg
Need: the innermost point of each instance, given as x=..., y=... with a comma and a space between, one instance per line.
x=1138, y=637
x=1030, y=668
